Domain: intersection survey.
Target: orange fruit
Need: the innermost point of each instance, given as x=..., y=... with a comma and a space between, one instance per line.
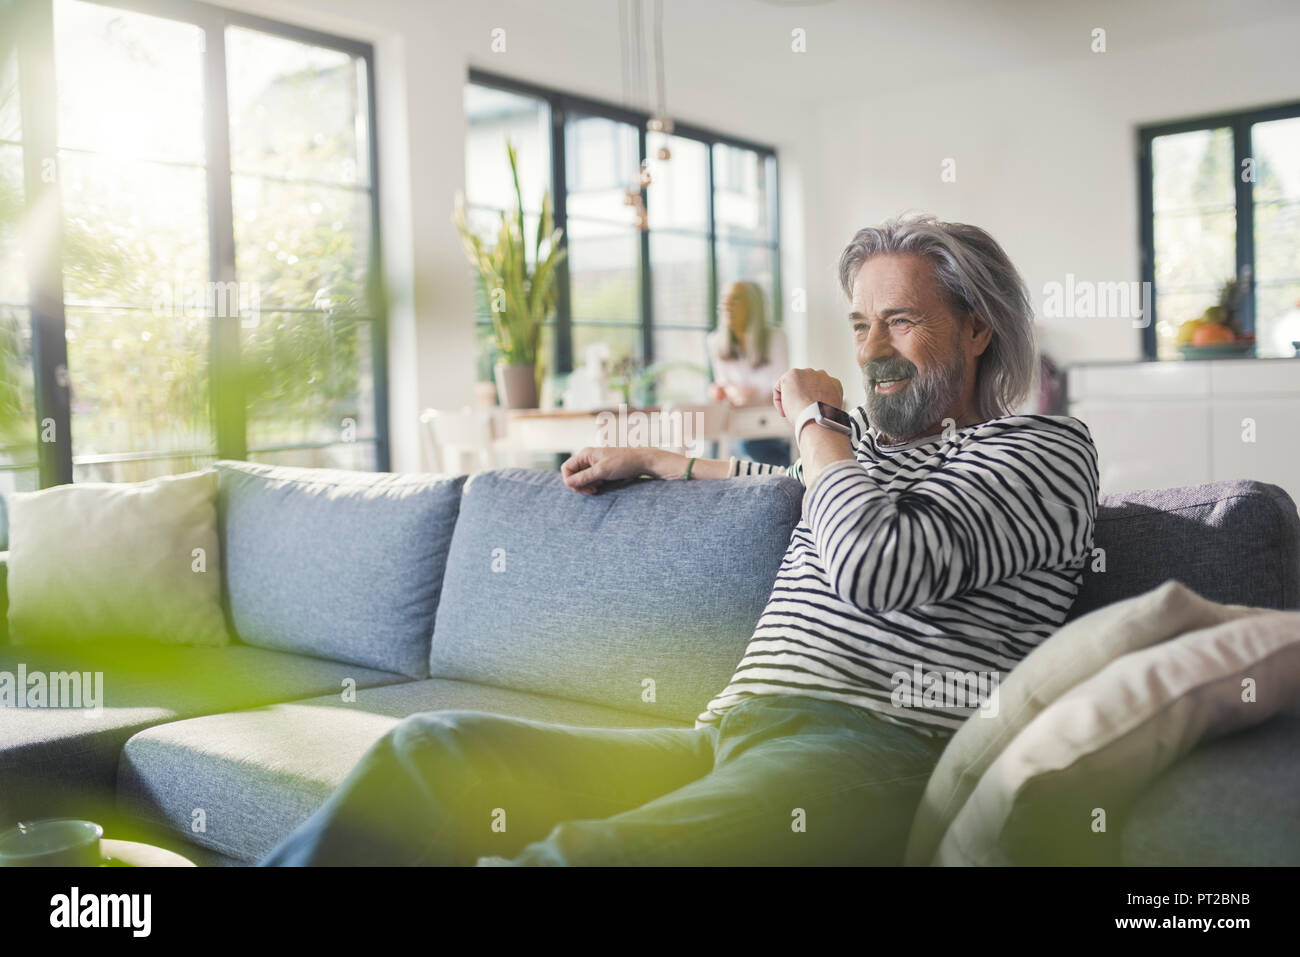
x=1212, y=334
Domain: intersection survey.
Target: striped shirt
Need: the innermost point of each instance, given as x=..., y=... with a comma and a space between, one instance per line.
x=922, y=565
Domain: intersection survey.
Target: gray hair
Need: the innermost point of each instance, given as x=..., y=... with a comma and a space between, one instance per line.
x=975, y=276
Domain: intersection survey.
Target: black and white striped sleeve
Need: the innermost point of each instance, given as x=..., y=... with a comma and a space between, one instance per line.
x=795, y=471
x=1019, y=494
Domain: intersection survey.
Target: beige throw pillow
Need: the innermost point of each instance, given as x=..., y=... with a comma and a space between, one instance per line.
x=1074, y=653
x=1058, y=792
x=105, y=562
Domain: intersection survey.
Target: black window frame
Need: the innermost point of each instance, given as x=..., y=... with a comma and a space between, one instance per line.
x=38, y=95
x=560, y=104
x=1240, y=123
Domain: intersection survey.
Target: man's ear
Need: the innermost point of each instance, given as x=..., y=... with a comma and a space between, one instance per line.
x=980, y=332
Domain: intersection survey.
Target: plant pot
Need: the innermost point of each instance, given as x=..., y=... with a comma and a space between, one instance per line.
x=517, y=384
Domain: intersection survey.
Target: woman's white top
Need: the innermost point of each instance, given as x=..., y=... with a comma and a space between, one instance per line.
x=741, y=372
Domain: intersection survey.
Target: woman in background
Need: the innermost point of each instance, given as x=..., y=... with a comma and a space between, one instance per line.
x=748, y=357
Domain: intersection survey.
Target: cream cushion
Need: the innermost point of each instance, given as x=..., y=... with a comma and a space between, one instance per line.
x=1057, y=793
x=101, y=562
x=1073, y=654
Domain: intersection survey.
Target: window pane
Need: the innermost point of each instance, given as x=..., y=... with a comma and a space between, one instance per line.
x=17, y=392
x=19, y=480
x=135, y=233
x=110, y=469
x=678, y=195
x=745, y=261
x=13, y=275
x=491, y=116
x=139, y=382
x=297, y=111
x=129, y=84
x=1194, y=226
x=354, y=456
x=135, y=240
x=302, y=246
x=688, y=379
x=624, y=344
x=1192, y=170
x=11, y=121
x=1276, y=146
x=680, y=274
x=603, y=163
x=744, y=199
x=605, y=272
x=17, y=388
x=1277, y=311
x=308, y=379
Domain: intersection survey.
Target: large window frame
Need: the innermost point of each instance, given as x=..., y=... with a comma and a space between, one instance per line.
x=560, y=105
x=1240, y=123
x=46, y=302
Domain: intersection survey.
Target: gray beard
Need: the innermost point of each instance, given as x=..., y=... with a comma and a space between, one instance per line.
x=905, y=415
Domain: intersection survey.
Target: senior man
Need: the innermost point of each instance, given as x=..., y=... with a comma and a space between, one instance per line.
x=943, y=534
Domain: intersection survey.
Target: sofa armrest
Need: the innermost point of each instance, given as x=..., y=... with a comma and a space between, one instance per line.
x=1230, y=802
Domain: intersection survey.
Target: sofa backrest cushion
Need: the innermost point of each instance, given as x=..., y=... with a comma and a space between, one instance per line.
x=340, y=565
x=641, y=597
x=1234, y=542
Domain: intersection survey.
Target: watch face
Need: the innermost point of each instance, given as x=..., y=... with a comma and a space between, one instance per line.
x=838, y=416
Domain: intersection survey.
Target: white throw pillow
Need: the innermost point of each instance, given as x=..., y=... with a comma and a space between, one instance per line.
x=1073, y=654
x=103, y=562
x=1058, y=792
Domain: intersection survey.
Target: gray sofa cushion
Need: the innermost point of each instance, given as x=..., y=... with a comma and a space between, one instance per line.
x=340, y=565
x=592, y=597
x=61, y=761
x=258, y=774
x=1232, y=802
x=1233, y=542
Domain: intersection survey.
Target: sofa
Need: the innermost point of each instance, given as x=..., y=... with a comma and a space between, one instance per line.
x=354, y=600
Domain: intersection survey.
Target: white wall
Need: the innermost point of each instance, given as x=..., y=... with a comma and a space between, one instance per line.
x=1046, y=161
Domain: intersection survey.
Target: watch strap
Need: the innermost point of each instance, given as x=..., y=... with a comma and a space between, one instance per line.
x=809, y=414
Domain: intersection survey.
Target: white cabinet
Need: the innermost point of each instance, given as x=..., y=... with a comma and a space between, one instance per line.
x=1166, y=424
x=1259, y=439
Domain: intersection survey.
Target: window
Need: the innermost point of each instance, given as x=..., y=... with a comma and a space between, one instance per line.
x=1221, y=198
x=649, y=295
x=212, y=292
x=18, y=455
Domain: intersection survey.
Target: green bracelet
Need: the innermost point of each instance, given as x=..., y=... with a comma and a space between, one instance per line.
x=689, y=465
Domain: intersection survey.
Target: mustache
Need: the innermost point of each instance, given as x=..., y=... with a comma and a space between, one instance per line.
x=889, y=369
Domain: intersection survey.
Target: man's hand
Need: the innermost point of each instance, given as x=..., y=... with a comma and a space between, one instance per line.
x=800, y=388
x=587, y=470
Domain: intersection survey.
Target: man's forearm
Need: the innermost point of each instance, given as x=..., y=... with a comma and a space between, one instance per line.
x=670, y=465
x=818, y=448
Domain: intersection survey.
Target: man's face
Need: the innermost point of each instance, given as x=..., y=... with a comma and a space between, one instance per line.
x=917, y=356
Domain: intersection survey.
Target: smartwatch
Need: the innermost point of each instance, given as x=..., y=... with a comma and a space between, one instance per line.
x=827, y=416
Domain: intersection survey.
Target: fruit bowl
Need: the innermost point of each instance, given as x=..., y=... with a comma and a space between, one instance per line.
x=1219, y=350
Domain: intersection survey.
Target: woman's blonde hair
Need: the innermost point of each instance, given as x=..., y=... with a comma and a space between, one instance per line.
x=757, y=333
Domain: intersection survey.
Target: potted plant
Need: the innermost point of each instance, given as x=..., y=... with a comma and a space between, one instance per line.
x=519, y=298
